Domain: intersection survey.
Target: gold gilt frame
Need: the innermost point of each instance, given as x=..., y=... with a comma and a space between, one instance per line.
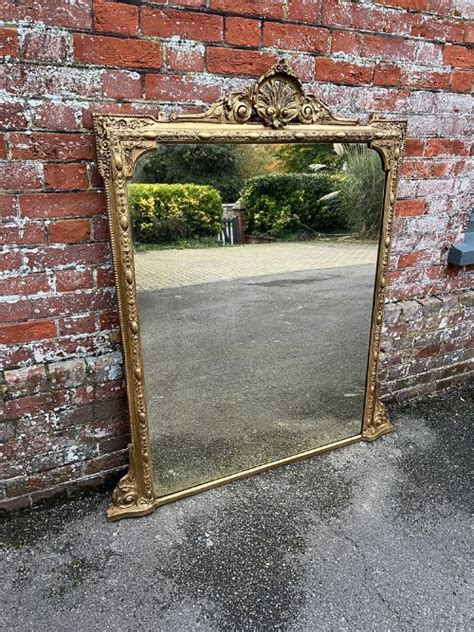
x=273, y=109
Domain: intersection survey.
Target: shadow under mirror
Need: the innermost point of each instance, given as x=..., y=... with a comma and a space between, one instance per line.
x=255, y=269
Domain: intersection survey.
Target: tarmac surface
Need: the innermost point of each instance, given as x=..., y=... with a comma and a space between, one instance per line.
x=370, y=537
x=251, y=370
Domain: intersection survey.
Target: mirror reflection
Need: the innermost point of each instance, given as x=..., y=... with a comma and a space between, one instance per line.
x=255, y=269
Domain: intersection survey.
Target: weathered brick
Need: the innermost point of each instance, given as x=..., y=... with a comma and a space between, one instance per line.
x=71, y=280
x=342, y=72
x=112, y=51
x=52, y=146
x=289, y=36
x=69, y=231
x=115, y=17
x=179, y=88
x=194, y=26
x=67, y=374
x=121, y=84
x=264, y=8
x=26, y=381
x=60, y=205
x=8, y=42
x=243, y=31
x=410, y=208
x=59, y=176
x=26, y=332
x=230, y=61
x=41, y=44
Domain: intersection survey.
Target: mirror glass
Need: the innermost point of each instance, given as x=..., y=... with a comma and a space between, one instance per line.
x=255, y=269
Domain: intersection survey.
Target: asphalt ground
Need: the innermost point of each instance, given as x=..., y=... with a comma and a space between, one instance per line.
x=247, y=371
x=369, y=537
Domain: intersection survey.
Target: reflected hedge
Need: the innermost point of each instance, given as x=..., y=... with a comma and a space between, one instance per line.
x=280, y=204
x=164, y=213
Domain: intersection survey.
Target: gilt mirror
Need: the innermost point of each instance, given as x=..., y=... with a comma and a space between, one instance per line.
x=250, y=247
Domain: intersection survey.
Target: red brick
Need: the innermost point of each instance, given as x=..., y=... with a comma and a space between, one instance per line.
x=109, y=320
x=444, y=7
x=432, y=27
x=29, y=233
x=345, y=42
x=242, y=31
x=13, y=116
x=179, y=88
x=186, y=57
x=416, y=5
x=263, y=8
x=53, y=115
x=15, y=311
x=77, y=325
x=190, y=3
x=77, y=15
x=121, y=84
x=230, y=61
x=7, y=206
x=469, y=33
x=422, y=79
x=73, y=303
x=304, y=10
x=105, y=277
x=292, y=36
x=462, y=80
x=8, y=42
x=412, y=259
x=75, y=255
x=52, y=146
x=59, y=205
x=25, y=284
x=168, y=23
x=100, y=229
x=20, y=175
x=441, y=146
x=69, y=231
x=26, y=381
x=459, y=56
x=416, y=169
x=111, y=51
x=10, y=261
x=71, y=280
x=410, y=208
x=3, y=147
x=114, y=17
x=68, y=175
x=388, y=48
x=387, y=75
x=27, y=332
x=45, y=45
x=414, y=147
x=342, y=72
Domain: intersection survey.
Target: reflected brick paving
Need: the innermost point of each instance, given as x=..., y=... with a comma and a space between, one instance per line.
x=161, y=269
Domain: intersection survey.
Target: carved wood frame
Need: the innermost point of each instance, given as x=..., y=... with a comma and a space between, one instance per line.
x=273, y=109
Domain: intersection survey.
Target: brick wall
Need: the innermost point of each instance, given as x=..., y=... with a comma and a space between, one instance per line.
x=64, y=420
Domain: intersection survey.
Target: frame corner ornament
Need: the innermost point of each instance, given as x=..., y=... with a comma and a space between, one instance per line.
x=127, y=500
x=379, y=424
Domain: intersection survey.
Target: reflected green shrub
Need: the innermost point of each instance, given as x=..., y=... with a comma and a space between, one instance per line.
x=362, y=190
x=164, y=213
x=279, y=204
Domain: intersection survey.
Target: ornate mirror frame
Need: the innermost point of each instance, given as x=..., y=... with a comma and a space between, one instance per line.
x=273, y=110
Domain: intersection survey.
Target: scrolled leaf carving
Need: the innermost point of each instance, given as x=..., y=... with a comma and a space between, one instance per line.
x=276, y=99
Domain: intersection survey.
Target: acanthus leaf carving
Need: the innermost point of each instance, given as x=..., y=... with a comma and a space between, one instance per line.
x=276, y=99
